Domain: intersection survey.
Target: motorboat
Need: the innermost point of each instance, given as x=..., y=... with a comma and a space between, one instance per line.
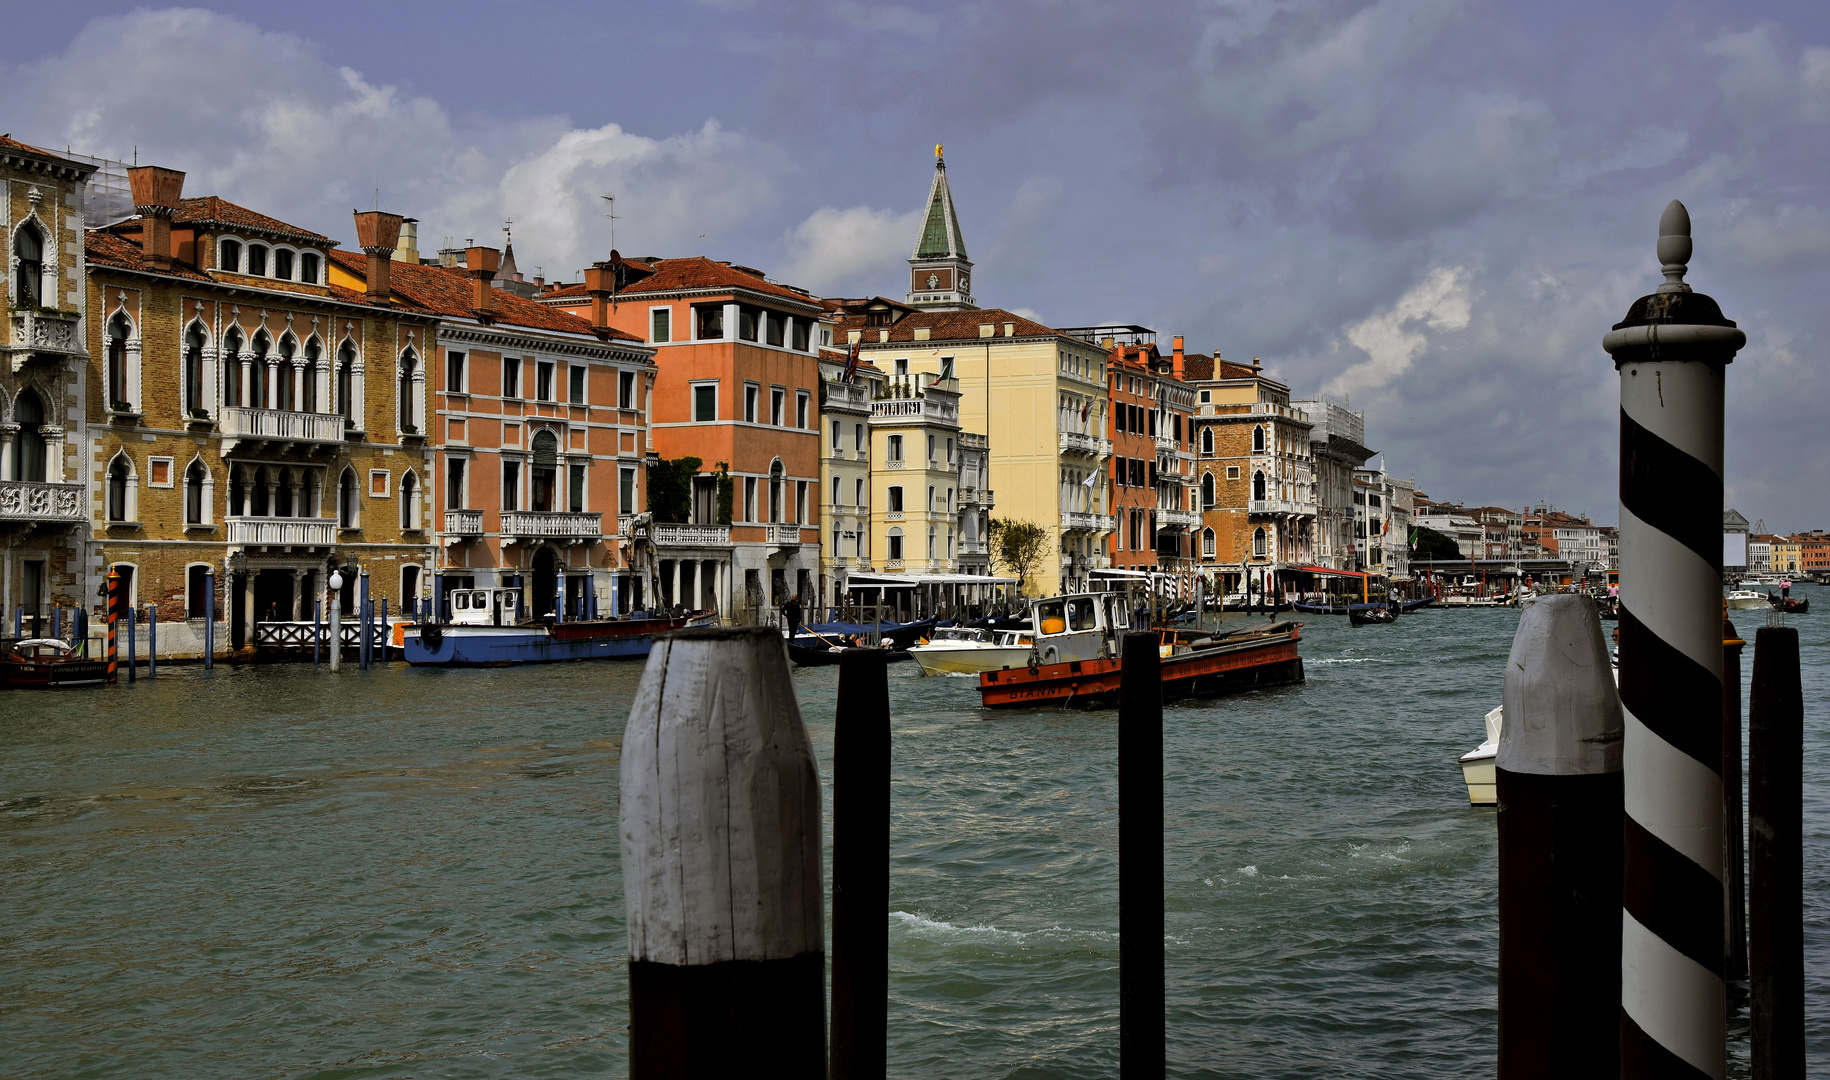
x=1079, y=649
x=1477, y=765
x=1740, y=599
x=49, y=663
x=965, y=650
x=813, y=650
x=485, y=630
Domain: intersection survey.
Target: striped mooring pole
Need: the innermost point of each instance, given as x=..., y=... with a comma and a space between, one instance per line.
x=114, y=616
x=1672, y=352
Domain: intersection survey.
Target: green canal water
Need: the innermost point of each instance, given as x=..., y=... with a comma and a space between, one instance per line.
x=275, y=873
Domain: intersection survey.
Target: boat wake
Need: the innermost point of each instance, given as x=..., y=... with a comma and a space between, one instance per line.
x=938, y=930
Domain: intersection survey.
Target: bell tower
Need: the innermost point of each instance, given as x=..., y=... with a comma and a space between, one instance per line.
x=940, y=275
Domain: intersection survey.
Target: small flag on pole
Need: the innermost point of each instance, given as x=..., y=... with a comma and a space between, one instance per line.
x=851, y=362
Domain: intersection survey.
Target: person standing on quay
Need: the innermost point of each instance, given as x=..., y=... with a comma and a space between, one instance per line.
x=791, y=611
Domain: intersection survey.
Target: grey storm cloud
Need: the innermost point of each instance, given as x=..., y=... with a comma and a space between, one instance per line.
x=1433, y=207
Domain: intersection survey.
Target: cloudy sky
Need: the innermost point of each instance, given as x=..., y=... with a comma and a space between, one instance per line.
x=1433, y=208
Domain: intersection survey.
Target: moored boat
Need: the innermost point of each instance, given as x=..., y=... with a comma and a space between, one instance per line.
x=1477, y=765
x=1795, y=605
x=48, y=664
x=485, y=632
x=1079, y=644
x=820, y=653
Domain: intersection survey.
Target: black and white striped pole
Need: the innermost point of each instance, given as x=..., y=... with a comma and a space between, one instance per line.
x=720, y=815
x=1559, y=779
x=1672, y=353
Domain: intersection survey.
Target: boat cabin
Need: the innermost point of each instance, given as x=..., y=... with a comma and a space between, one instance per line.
x=485, y=607
x=1079, y=626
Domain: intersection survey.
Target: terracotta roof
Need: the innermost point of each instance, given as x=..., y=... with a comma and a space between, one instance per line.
x=14, y=146
x=699, y=272
x=214, y=209
x=566, y=292
x=445, y=290
x=112, y=249
x=1197, y=367
x=949, y=325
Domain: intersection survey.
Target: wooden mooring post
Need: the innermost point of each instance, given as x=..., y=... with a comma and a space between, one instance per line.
x=152, y=641
x=1141, y=1013
x=1560, y=804
x=861, y=867
x=720, y=813
x=114, y=616
x=1775, y=817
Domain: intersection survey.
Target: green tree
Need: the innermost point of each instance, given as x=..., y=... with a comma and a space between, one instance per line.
x=670, y=489
x=1018, y=545
x=1427, y=543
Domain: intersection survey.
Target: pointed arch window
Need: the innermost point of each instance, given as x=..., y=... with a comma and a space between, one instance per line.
x=410, y=512
x=28, y=250
x=314, y=365
x=120, y=396
x=1258, y=440
x=407, y=399
x=120, y=495
x=1258, y=543
x=776, y=473
x=349, y=500
x=231, y=359
x=1207, y=543
x=196, y=494
x=1207, y=442
x=286, y=395
x=193, y=372
x=257, y=372
x=1258, y=487
x=346, y=383
x=29, y=441
x=1207, y=491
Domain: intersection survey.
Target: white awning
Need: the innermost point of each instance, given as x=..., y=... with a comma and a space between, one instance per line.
x=854, y=581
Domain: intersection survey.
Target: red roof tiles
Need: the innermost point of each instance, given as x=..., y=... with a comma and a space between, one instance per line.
x=446, y=290
x=215, y=210
x=698, y=272
x=949, y=325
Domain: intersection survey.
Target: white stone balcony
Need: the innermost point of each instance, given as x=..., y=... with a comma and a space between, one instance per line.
x=1072, y=521
x=45, y=332
x=280, y=425
x=785, y=535
x=282, y=532
x=1073, y=442
x=1177, y=519
x=1167, y=445
x=31, y=502
x=1281, y=506
x=976, y=497
x=932, y=410
x=551, y=525
x=974, y=547
x=674, y=535
x=464, y=523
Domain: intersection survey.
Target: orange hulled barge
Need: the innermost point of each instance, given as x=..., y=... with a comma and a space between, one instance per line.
x=1079, y=639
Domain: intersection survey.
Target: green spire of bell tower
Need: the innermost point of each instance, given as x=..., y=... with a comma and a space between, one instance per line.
x=940, y=274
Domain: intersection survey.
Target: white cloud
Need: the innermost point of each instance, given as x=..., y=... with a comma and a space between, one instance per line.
x=834, y=248
x=267, y=122
x=1393, y=339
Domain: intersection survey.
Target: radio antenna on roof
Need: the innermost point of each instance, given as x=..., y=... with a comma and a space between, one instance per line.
x=611, y=199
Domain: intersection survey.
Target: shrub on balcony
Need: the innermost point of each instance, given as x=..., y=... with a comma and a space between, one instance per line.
x=670, y=489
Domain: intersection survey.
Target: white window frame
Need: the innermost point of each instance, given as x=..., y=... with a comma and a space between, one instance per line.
x=752, y=401
x=802, y=413
x=716, y=385
x=387, y=484
x=171, y=472
x=671, y=337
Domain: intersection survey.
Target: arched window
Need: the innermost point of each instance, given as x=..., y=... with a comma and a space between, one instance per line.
x=1258, y=440
x=408, y=418
x=28, y=249
x=895, y=538
x=120, y=489
x=257, y=260
x=282, y=264
x=313, y=372
x=1207, y=442
x=545, y=470
x=309, y=505
x=1258, y=486
x=930, y=543
x=28, y=441
x=349, y=507
x=261, y=505
x=1207, y=491
x=193, y=372
x=118, y=397
x=196, y=506
x=1258, y=546
x=230, y=259
x=230, y=358
x=410, y=513
x=775, y=490
x=257, y=372
x=308, y=267
x=285, y=496
x=238, y=491
x=346, y=379
x=1207, y=543
x=287, y=396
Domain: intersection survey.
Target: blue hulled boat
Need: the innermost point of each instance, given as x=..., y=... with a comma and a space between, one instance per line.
x=485, y=632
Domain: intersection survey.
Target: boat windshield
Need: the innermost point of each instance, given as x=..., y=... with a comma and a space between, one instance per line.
x=1080, y=614
x=958, y=634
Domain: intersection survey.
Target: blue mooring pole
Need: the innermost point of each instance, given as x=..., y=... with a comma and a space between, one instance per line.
x=317, y=630
x=385, y=634
x=132, y=653
x=152, y=641
x=364, y=613
x=209, y=619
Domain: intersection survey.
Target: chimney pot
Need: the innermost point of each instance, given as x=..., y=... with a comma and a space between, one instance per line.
x=1175, y=365
x=156, y=193
x=481, y=263
x=600, y=282
x=377, y=233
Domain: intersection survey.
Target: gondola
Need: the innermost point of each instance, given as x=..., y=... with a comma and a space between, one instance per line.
x=1371, y=614
x=822, y=655
x=1413, y=605
x=1792, y=605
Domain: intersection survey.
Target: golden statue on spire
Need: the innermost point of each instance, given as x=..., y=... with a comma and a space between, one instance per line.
x=937, y=150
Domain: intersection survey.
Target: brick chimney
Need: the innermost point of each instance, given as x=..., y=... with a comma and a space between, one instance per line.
x=377, y=234
x=1175, y=363
x=600, y=282
x=156, y=192
x=482, y=263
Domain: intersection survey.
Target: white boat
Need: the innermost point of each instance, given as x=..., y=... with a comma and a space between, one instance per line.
x=1747, y=598
x=968, y=651
x=1477, y=766
x=1762, y=581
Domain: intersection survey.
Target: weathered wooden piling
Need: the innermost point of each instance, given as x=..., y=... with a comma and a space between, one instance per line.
x=861, y=868
x=133, y=658
x=317, y=631
x=720, y=813
x=365, y=623
x=1775, y=812
x=1560, y=803
x=1672, y=352
x=152, y=641
x=209, y=618
x=1141, y=1012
